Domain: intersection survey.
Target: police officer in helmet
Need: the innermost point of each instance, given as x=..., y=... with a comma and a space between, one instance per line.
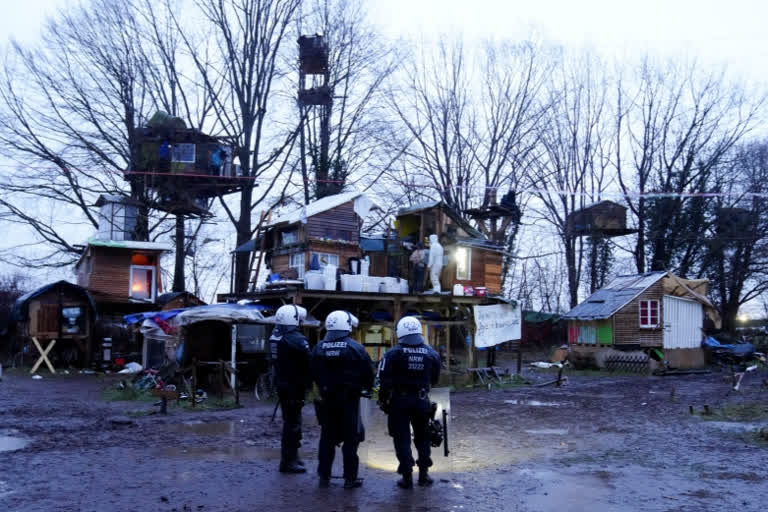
x=342, y=370
x=290, y=355
x=406, y=374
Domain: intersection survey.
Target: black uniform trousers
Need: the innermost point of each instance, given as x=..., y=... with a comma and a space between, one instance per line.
x=291, y=402
x=410, y=411
x=340, y=423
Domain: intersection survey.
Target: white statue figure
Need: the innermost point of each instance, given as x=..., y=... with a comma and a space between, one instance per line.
x=435, y=264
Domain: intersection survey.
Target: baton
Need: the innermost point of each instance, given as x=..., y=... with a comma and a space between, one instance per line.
x=274, y=412
x=445, y=434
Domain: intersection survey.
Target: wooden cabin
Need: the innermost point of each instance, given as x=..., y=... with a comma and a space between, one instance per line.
x=59, y=311
x=184, y=166
x=178, y=300
x=655, y=310
x=470, y=258
x=327, y=230
x=604, y=219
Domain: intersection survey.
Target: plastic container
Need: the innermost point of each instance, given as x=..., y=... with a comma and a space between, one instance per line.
x=481, y=291
x=352, y=282
x=404, y=286
x=365, y=266
x=329, y=277
x=469, y=291
x=314, y=280
x=390, y=285
x=458, y=290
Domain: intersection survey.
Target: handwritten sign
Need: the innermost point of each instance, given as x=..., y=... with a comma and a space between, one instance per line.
x=497, y=324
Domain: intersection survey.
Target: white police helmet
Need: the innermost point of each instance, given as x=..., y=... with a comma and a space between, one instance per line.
x=340, y=321
x=290, y=314
x=408, y=326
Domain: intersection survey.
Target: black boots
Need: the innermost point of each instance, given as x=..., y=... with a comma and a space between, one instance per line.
x=406, y=482
x=292, y=466
x=352, y=483
x=324, y=483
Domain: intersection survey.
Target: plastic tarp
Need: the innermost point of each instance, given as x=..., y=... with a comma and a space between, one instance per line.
x=230, y=313
x=151, y=315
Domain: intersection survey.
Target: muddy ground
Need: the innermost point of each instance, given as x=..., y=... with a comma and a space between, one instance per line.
x=601, y=443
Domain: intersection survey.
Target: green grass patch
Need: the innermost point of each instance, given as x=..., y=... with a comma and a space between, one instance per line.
x=738, y=412
x=129, y=393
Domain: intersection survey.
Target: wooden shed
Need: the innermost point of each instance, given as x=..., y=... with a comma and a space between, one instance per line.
x=470, y=258
x=645, y=311
x=59, y=311
x=327, y=230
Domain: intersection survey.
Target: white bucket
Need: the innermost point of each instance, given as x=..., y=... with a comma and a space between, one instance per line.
x=458, y=289
x=364, y=267
x=403, y=285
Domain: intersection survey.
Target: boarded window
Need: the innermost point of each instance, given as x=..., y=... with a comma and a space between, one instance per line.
x=48, y=318
x=289, y=237
x=649, y=313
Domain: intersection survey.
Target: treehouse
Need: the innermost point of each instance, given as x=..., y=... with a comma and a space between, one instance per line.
x=603, y=219
x=185, y=167
x=122, y=274
x=318, y=258
x=470, y=258
x=325, y=232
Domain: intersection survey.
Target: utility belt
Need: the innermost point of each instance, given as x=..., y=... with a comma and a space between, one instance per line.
x=422, y=393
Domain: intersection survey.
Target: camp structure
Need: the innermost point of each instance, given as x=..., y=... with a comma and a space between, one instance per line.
x=654, y=311
x=471, y=260
x=603, y=219
x=122, y=274
x=312, y=237
x=317, y=257
x=185, y=167
x=59, y=311
x=178, y=300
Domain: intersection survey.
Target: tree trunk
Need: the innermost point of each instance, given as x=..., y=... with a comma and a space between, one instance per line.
x=179, y=281
x=573, y=278
x=242, y=259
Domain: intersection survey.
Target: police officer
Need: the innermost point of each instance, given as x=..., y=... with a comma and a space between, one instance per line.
x=342, y=370
x=290, y=355
x=406, y=374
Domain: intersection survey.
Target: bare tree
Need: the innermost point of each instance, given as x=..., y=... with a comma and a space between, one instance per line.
x=342, y=141
x=571, y=138
x=736, y=259
x=70, y=110
x=673, y=128
x=249, y=37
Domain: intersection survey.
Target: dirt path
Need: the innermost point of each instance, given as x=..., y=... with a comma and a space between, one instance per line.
x=599, y=444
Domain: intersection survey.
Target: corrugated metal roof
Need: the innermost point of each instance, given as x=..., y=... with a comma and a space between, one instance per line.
x=618, y=293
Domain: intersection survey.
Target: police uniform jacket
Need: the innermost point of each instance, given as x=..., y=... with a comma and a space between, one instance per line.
x=339, y=362
x=290, y=355
x=409, y=368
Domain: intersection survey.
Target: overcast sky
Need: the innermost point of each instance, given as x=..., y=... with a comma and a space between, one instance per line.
x=715, y=31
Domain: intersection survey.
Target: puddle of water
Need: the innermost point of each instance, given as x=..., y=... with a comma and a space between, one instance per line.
x=10, y=443
x=735, y=426
x=222, y=453
x=548, y=431
x=5, y=489
x=534, y=403
x=215, y=428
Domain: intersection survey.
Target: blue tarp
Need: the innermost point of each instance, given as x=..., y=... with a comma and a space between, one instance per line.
x=167, y=315
x=150, y=315
x=736, y=349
